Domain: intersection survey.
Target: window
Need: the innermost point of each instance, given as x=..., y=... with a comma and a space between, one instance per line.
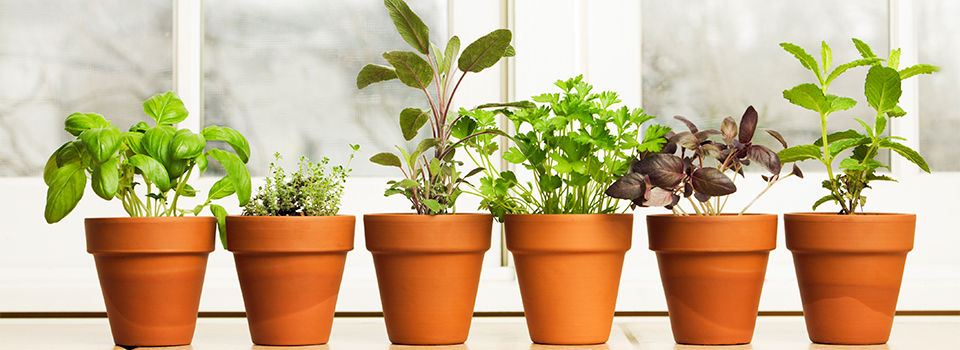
x=940, y=119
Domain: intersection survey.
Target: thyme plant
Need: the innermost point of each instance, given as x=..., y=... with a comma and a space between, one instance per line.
x=314, y=189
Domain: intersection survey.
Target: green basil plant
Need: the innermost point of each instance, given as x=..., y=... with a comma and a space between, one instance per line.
x=431, y=180
x=158, y=160
x=882, y=91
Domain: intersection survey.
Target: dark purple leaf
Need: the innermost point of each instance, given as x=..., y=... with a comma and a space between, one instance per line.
x=663, y=170
x=796, y=171
x=630, y=186
x=687, y=189
x=669, y=148
x=702, y=135
x=686, y=140
x=748, y=124
x=767, y=158
x=709, y=149
x=728, y=128
x=658, y=197
x=777, y=136
x=701, y=197
x=711, y=181
x=690, y=125
x=765, y=178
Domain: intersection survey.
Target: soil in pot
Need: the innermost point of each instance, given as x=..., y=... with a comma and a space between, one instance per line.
x=712, y=269
x=428, y=270
x=568, y=267
x=290, y=268
x=151, y=274
x=849, y=269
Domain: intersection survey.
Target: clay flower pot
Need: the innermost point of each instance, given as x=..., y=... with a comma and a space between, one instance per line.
x=428, y=270
x=712, y=269
x=290, y=269
x=849, y=269
x=568, y=266
x=151, y=273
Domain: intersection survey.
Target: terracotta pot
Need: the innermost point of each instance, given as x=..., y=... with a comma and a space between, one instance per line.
x=290, y=269
x=849, y=269
x=712, y=269
x=568, y=266
x=428, y=269
x=151, y=273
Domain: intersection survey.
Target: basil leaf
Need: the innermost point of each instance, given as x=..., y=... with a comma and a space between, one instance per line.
x=236, y=171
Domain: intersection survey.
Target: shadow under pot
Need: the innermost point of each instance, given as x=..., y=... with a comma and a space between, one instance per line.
x=568, y=267
x=849, y=269
x=712, y=269
x=290, y=268
x=151, y=273
x=428, y=270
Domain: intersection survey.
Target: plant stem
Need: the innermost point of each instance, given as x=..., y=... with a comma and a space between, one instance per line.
x=176, y=193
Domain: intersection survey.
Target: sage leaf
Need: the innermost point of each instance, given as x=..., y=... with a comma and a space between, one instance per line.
x=450, y=54
x=374, y=73
x=386, y=159
x=412, y=69
x=485, y=51
x=433, y=205
x=409, y=25
x=411, y=121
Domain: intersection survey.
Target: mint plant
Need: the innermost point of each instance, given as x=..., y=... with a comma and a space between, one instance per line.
x=882, y=91
x=576, y=143
x=699, y=172
x=314, y=189
x=158, y=160
x=431, y=180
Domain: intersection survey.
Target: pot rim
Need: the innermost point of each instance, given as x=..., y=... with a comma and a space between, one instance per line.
x=424, y=215
x=289, y=217
x=722, y=216
x=860, y=217
x=547, y=216
x=146, y=219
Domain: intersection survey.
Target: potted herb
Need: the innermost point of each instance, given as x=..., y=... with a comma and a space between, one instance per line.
x=567, y=238
x=290, y=247
x=151, y=264
x=850, y=263
x=701, y=248
x=428, y=265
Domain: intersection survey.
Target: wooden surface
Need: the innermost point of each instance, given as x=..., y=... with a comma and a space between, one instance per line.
x=493, y=333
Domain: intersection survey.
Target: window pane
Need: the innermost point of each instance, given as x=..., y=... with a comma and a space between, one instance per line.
x=939, y=121
x=60, y=57
x=707, y=60
x=284, y=74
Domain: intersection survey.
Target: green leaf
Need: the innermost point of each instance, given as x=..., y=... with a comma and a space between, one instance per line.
x=386, y=159
x=374, y=73
x=408, y=184
x=156, y=142
x=510, y=51
x=139, y=127
x=221, y=189
x=840, y=103
x=101, y=143
x=77, y=123
x=826, y=56
x=918, y=69
x=186, y=144
x=412, y=69
x=806, y=59
x=485, y=51
x=133, y=141
x=188, y=191
x=896, y=112
x=882, y=88
x=842, y=145
x=514, y=156
x=237, y=172
x=453, y=49
x=201, y=161
x=231, y=137
x=840, y=135
x=822, y=200
x=846, y=66
x=64, y=191
x=464, y=127
x=433, y=205
x=411, y=121
x=165, y=108
x=894, y=60
x=851, y=164
x=863, y=48
x=798, y=153
x=69, y=152
x=409, y=25
x=105, y=179
x=907, y=152
x=221, y=215
x=808, y=96
x=152, y=170
x=515, y=104
x=423, y=147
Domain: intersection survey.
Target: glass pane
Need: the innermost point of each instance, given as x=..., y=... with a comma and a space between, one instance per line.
x=60, y=57
x=707, y=60
x=939, y=121
x=284, y=74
